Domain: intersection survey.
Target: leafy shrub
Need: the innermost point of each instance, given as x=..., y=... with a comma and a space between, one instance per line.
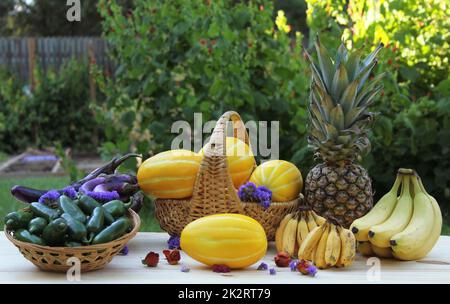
x=57, y=111
x=178, y=57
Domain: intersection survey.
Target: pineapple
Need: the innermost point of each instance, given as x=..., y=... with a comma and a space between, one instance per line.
x=341, y=92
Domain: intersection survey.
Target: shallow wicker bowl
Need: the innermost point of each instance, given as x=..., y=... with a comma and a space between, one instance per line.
x=91, y=257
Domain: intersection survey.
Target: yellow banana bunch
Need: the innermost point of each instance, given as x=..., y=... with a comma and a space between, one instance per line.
x=412, y=227
x=328, y=245
x=294, y=228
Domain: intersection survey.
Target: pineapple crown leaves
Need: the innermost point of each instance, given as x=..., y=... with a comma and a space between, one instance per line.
x=341, y=93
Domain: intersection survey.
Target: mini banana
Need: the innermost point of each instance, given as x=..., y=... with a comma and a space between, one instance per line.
x=348, y=247
x=380, y=235
x=379, y=213
x=310, y=221
x=309, y=244
x=333, y=247
x=318, y=219
x=290, y=236
x=414, y=235
x=302, y=230
x=280, y=231
x=319, y=258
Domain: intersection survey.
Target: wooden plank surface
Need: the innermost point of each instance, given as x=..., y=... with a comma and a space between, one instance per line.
x=435, y=268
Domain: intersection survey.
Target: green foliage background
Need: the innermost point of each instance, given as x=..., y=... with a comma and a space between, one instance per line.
x=58, y=112
x=212, y=56
x=178, y=57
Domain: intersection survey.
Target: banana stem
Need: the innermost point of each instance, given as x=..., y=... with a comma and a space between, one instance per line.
x=405, y=171
x=405, y=186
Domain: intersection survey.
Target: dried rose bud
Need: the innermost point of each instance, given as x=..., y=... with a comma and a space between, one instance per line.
x=221, y=268
x=151, y=259
x=172, y=256
x=282, y=259
x=306, y=268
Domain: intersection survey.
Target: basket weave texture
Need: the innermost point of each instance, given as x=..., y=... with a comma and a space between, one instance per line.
x=91, y=257
x=214, y=191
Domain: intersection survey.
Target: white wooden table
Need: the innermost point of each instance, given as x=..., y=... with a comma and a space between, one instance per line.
x=435, y=268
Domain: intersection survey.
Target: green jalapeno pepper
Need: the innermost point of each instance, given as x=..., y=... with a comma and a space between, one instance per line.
x=68, y=206
x=55, y=232
x=77, y=230
x=18, y=219
x=37, y=225
x=116, y=208
x=44, y=211
x=88, y=204
x=113, y=232
x=25, y=236
x=96, y=221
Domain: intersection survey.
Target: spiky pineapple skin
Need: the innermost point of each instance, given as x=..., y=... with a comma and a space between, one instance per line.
x=342, y=191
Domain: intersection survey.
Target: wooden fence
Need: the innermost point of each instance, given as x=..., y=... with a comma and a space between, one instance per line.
x=20, y=55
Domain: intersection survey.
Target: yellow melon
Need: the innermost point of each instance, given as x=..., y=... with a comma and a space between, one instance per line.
x=240, y=159
x=169, y=174
x=234, y=240
x=283, y=178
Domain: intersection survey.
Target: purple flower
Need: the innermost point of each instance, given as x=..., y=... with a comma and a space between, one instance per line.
x=272, y=271
x=250, y=193
x=185, y=268
x=103, y=196
x=174, y=242
x=246, y=192
x=124, y=250
x=262, y=266
x=293, y=265
x=312, y=270
x=70, y=192
x=49, y=197
x=264, y=196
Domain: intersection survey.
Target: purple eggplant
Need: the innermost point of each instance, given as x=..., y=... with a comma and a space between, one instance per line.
x=107, y=169
x=104, y=173
x=90, y=185
x=122, y=188
x=27, y=195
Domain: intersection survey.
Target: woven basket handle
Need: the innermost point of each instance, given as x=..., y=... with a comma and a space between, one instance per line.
x=213, y=190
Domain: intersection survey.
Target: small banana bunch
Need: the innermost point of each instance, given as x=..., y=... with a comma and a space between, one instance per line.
x=405, y=227
x=329, y=245
x=294, y=228
x=311, y=237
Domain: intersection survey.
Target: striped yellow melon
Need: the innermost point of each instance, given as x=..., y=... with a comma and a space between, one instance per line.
x=169, y=174
x=234, y=240
x=281, y=177
x=240, y=159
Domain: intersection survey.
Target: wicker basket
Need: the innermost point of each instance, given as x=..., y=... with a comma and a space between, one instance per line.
x=92, y=257
x=214, y=191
